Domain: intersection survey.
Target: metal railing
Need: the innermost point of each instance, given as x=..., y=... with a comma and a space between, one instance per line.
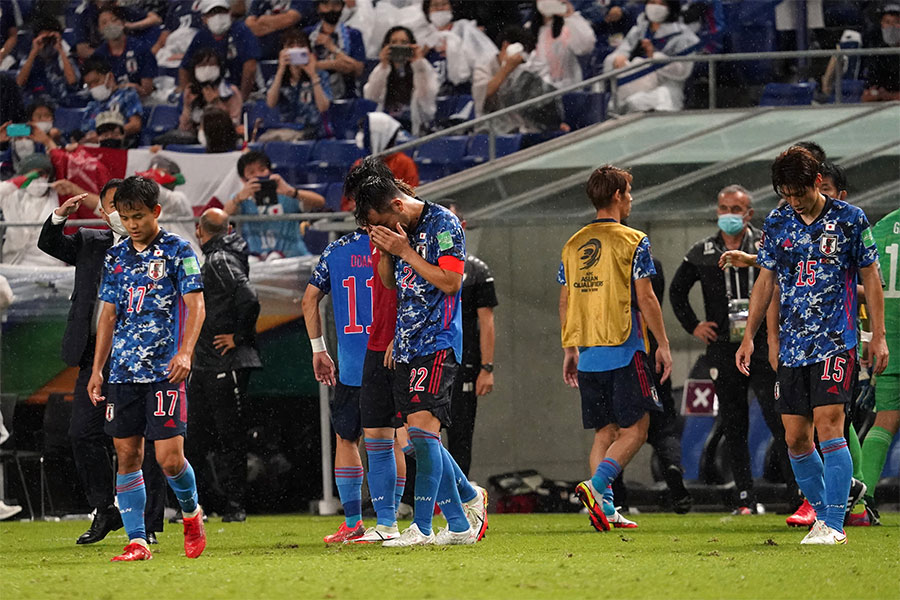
x=611, y=78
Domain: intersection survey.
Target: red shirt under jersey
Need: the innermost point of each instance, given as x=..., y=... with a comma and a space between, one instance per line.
x=384, y=310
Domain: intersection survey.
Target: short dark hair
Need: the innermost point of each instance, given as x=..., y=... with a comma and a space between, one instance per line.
x=117, y=11
x=43, y=21
x=813, y=148
x=136, y=191
x=372, y=186
x=295, y=35
x=112, y=184
x=794, y=170
x=96, y=65
x=251, y=158
x=40, y=103
x=603, y=184
x=221, y=135
x=837, y=174
x=387, y=36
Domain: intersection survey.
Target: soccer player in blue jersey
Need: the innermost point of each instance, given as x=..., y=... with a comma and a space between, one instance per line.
x=423, y=257
x=151, y=314
x=815, y=246
x=345, y=268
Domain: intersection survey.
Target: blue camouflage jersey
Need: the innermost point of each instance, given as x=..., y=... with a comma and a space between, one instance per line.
x=146, y=289
x=347, y=264
x=817, y=267
x=429, y=320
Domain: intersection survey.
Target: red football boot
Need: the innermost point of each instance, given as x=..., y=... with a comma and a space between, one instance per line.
x=194, y=535
x=133, y=551
x=345, y=534
x=805, y=516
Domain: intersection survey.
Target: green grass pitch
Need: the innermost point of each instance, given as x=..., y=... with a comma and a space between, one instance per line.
x=523, y=556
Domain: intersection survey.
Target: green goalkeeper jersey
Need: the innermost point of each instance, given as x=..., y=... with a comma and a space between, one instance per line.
x=887, y=237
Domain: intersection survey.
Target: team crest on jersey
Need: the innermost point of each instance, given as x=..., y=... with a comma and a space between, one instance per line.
x=828, y=244
x=156, y=270
x=422, y=250
x=590, y=253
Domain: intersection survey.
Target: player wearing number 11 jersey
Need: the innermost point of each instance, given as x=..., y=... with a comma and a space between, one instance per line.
x=816, y=246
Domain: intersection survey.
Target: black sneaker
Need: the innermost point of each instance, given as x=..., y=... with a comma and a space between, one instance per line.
x=681, y=499
x=237, y=516
x=857, y=491
x=874, y=517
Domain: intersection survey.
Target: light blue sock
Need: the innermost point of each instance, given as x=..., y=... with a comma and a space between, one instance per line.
x=606, y=473
x=448, y=496
x=429, y=466
x=409, y=450
x=349, y=484
x=463, y=487
x=809, y=473
x=838, y=473
x=382, y=478
x=132, y=497
x=185, y=487
x=609, y=505
x=399, y=488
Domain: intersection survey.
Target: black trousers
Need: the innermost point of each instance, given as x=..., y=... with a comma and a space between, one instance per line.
x=91, y=449
x=664, y=433
x=463, y=406
x=217, y=425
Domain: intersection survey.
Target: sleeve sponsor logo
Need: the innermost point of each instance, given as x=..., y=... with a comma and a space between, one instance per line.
x=190, y=266
x=445, y=240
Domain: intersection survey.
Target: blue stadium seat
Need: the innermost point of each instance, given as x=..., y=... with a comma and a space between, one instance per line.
x=268, y=69
x=288, y=158
x=331, y=159
x=187, y=148
x=319, y=188
x=167, y=71
x=259, y=110
x=316, y=241
x=163, y=118
x=333, y=196
x=584, y=108
x=68, y=120
x=478, y=153
x=851, y=91
x=69, y=37
x=343, y=116
x=788, y=94
x=441, y=157
x=454, y=108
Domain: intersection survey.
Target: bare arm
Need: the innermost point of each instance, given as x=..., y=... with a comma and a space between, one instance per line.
x=386, y=271
x=759, y=305
x=160, y=42
x=570, y=358
x=133, y=126
x=323, y=365
x=875, y=305
x=484, y=384
x=180, y=365
x=11, y=42
x=247, y=78
x=102, y=348
x=773, y=318
x=266, y=24
x=648, y=304
x=152, y=19
x=145, y=87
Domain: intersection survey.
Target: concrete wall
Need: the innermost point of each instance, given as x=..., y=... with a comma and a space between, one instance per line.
x=532, y=420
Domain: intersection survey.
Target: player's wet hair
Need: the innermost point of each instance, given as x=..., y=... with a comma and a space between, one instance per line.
x=837, y=174
x=794, y=171
x=604, y=182
x=813, y=148
x=136, y=192
x=372, y=185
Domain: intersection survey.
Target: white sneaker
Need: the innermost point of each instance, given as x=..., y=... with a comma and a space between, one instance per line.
x=618, y=521
x=445, y=537
x=9, y=510
x=816, y=531
x=376, y=535
x=476, y=513
x=410, y=537
x=827, y=537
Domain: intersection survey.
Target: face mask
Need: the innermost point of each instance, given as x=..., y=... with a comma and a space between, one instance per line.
x=23, y=147
x=441, y=18
x=551, y=8
x=891, y=35
x=219, y=24
x=656, y=13
x=38, y=187
x=100, y=92
x=111, y=143
x=361, y=140
x=731, y=224
x=332, y=17
x=207, y=74
x=112, y=32
x=44, y=126
x=201, y=137
x=115, y=223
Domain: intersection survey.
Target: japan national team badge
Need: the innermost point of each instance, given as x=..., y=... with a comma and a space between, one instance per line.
x=828, y=244
x=156, y=270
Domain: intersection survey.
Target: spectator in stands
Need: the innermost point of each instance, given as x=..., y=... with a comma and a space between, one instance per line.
x=40, y=118
x=268, y=19
x=217, y=132
x=183, y=19
x=23, y=199
x=231, y=39
x=207, y=87
x=562, y=36
x=339, y=49
x=82, y=18
x=280, y=238
x=109, y=97
x=175, y=204
x=110, y=129
x=380, y=132
x=657, y=34
x=456, y=47
x=881, y=73
x=610, y=20
x=300, y=91
x=48, y=70
x=512, y=76
x=132, y=62
x=404, y=84
x=9, y=37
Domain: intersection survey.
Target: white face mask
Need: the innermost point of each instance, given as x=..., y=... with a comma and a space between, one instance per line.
x=219, y=24
x=551, y=8
x=891, y=35
x=23, y=147
x=440, y=18
x=207, y=73
x=361, y=140
x=37, y=188
x=656, y=13
x=112, y=32
x=44, y=126
x=201, y=137
x=100, y=92
x=115, y=223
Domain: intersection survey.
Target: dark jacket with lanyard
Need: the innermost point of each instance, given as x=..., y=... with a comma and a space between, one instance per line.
x=726, y=292
x=231, y=306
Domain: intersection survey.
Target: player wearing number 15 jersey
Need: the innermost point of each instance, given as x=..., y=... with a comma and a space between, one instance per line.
x=151, y=316
x=816, y=246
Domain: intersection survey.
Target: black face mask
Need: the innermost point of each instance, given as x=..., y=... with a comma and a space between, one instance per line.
x=332, y=17
x=112, y=143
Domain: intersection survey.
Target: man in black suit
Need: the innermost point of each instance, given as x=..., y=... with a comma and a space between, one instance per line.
x=86, y=251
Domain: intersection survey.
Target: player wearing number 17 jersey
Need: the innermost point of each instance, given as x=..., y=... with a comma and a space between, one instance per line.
x=816, y=246
x=151, y=316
